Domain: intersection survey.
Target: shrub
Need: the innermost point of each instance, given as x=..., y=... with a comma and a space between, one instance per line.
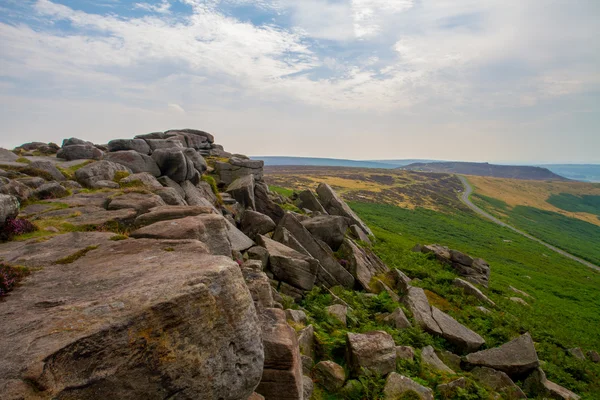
x=15, y=227
x=10, y=277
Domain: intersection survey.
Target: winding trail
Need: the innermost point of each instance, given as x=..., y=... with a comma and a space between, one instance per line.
x=465, y=199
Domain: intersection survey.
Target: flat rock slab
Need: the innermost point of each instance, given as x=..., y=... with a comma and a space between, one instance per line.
x=459, y=335
x=372, y=351
x=417, y=302
x=98, y=199
x=165, y=213
x=132, y=320
x=498, y=381
x=141, y=202
x=516, y=358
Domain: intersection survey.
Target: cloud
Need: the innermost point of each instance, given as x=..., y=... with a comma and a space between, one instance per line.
x=163, y=8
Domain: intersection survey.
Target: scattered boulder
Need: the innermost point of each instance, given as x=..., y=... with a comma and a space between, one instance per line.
x=517, y=291
x=50, y=190
x=594, y=356
x=9, y=208
x=405, y=353
x=236, y=168
x=397, y=319
x=472, y=290
x=264, y=204
x=136, y=162
x=399, y=280
x=296, y=316
x=379, y=286
x=165, y=213
x=475, y=270
x=307, y=200
x=306, y=341
x=359, y=234
x=103, y=170
x=80, y=152
x=519, y=301
x=417, y=302
x=242, y=189
x=114, y=326
x=537, y=385
x=498, y=381
x=43, y=148
x=254, y=223
x=330, y=229
x=450, y=390
x=338, y=312
x=140, y=202
x=17, y=189
x=144, y=178
x=336, y=206
x=329, y=375
x=429, y=358
x=517, y=357
x=397, y=386
x=50, y=168
x=371, y=352
x=173, y=163
x=32, y=182
x=577, y=353
x=7, y=155
x=464, y=339
x=75, y=141
x=138, y=145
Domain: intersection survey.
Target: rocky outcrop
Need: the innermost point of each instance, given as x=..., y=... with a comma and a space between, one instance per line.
x=417, y=302
x=336, y=206
x=472, y=290
x=242, y=190
x=135, y=161
x=371, y=352
x=79, y=152
x=330, y=229
x=362, y=263
x=235, y=168
x=91, y=175
x=113, y=326
x=475, y=270
x=307, y=200
x=397, y=319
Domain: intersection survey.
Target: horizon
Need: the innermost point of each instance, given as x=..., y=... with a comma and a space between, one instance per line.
x=360, y=80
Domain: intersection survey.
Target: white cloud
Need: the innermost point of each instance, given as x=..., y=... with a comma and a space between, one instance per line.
x=163, y=8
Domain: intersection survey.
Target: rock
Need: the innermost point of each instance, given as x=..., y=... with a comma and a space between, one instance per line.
x=307, y=200
x=256, y=396
x=196, y=159
x=48, y=167
x=162, y=144
x=210, y=229
x=32, y=182
x=105, y=185
x=171, y=197
x=7, y=155
x=517, y=291
x=330, y=229
x=483, y=310
x=307, y=364
x=519, y=300
x=282, y=374
x=71, y=185
x=399, y=280
x=75, y=141
x=99, y=171
x=254, y=223
x=464, y=339
x=450, y=359
x=397, y=319
x=9, y=208
x=428, y=357
x=170, y=183
x=397, y=386
x=318, y=251
x=17, y=189
x=307, y=387
x=516, y=358
x=43, y=148
x=194, y=196
x=239, y=241
x=296, y=316
x=51, y=190
x=461, y=258
x=450, y=390
x=114, y=326
x=379, y=286
x=99, y=217
x=336, y=206
x=405, y=353
x=136, y=162
x=338, y=312
x=193, y=132
x=242, y=189
x=593, y=356
x=371, y=352
x=290, y=266
x=306, y=341
x=359, y=234
x=417, y=302
x=265, y=205
x=283, y=236
x=80, y=152
x=475, y=270
x=207, y=192
x=173, y=163
x=577, y=353
x=537, y=385
x=165, y=213
x=259, y=253
x=138, y=145
x=144, y=178
x=236, y=168
x=258, y=284
x=329, y=375
x=140, y=202
x=498, y=381
x=472, y=290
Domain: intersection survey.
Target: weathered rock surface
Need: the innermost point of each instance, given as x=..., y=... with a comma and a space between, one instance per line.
x=258, y=284
x=398, y=280
x=537, y=385
x=464, y=339
x=50, y=168
x=194, y=196
x=472, y=290
x=264, y=204
x=99, y=171
x=306, y=341
x=136, y=162
x=50, y=190
x=142, y=178
x=429, y=358
x=164, y=318
x=397, y=385
x=371, y=352
x=450, y=390
x=7, y=155
x=516, y=358
x=138, y=145
x=417, y=302
x=296, y=316
x=173, y=163
x=475, y=270
x=79, y=152
x=308, y=200
x=397, y=319
x=498, y=381
x=336, y=206
x=577, y=353
x=242, y=189
x=236, y=168
x=165, y=213
x=282, y=377
x=17, y=189
x=9, y=208
x=329, y=375
x=330, y=229
x=254, y=223
x=405, y=353
x=338, y=312
x=141, y=202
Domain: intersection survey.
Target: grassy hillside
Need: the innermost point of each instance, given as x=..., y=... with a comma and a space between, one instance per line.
x=563, y=314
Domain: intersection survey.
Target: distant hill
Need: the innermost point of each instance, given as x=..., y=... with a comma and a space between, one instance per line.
x=579, y=172
x=336, y=162
x=486, y=169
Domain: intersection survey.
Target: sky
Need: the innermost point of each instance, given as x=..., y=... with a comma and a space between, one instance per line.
x=473, y=80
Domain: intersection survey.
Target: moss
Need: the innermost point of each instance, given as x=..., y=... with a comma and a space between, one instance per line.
x=291, y=207
x=75, y=256
x=23, y=160
x=120, y=175
x=213, y=185
x=116, y=238
x=27, y=170
x=169, y=249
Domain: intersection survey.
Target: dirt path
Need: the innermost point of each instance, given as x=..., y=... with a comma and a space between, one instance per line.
x=465, y=199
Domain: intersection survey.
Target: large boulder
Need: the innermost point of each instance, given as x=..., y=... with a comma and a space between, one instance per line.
x=9, y=208
x=99, y=171
x=336, y=206
x=75, y=141
x=475, y=270
x=318, y=251
x=264, y=204
x=242, y=189
x=80, y=152
x=517, y=357
x=417, y=303
x=362, y=263
x=177, y=323
x=397, y=319
x=469, y=288
x=308, y=200
x=464, y=339
x=50, y=190
x=537, y=385
x=282, y=374
x=197, y=160
x=192, y=132
x=235, y=168
x=398, y=386
x=17, y=189
x=430, y=358
x=258, y=284
x=173, y=163
x=7, y=155
x=141, y=202
x=50, y=168
x=160, y=144
x=138, y=145
x=135, y=161
x=195, y=196
x=143, y=179
x=330, y=229
x=254, y=223
x=329, y=375
x=371, y=352
x=498, y=381
x=290, y=266
x=166, y=213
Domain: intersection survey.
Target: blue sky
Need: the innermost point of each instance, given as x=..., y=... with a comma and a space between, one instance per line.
x=494, y=80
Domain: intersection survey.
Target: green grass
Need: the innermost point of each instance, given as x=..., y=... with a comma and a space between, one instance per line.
x=282, y=191
x=563, y=314
x=569, y=202
x=75, y=256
